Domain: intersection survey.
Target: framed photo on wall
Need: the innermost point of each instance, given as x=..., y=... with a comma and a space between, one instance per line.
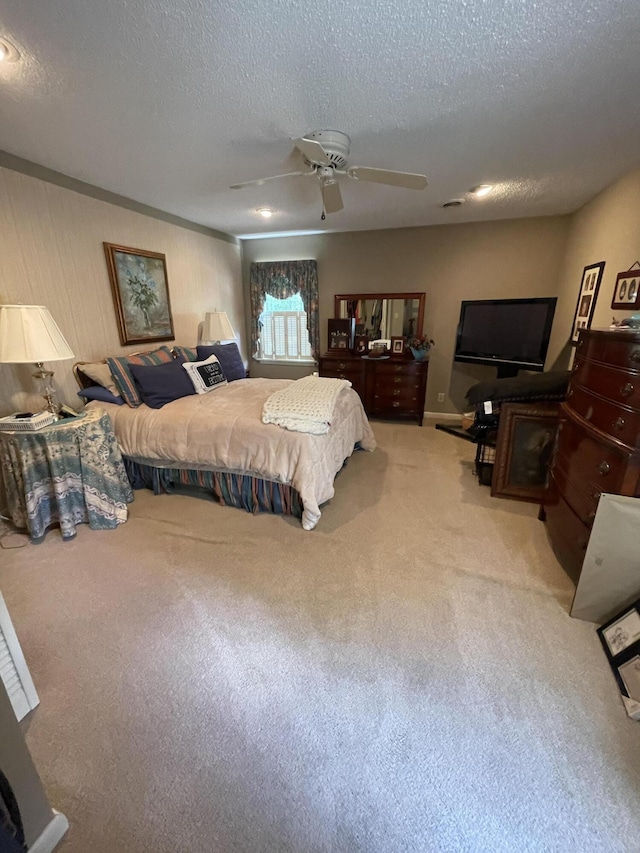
x=524, y=446
x=626, y=293
x=140, y=290
x=591, y=278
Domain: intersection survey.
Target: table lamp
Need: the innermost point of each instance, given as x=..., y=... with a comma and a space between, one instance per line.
x=216, y=328
x=28, y=333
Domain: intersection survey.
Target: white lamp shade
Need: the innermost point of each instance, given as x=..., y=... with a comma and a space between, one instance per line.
x=29, y=333
x=217, y=327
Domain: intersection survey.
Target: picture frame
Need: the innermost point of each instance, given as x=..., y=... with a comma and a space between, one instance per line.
x=626, y=293
x=140, y=288
x=397, y=346
x=341, y=334
x=587, y=297
x=524, y=447
x=361, y=344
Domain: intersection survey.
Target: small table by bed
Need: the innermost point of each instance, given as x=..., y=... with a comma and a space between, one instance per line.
x=66, y=474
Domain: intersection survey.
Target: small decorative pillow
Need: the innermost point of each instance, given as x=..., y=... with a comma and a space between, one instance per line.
x=229, y=357
x=97, y=392
x=205, y=375
x=188, y=353
x=99, y=372
x=160, y=384
x=119, y=367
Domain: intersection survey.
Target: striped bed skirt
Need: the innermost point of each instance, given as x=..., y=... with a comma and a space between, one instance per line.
x=239, y=490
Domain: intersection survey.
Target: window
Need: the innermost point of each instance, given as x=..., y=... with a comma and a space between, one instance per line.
x=283, y=332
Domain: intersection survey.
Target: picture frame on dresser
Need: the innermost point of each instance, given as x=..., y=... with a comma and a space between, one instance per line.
x=341, y=335
x=397, y=346
x=626, y=293
x=524, y=448
x=587, y=297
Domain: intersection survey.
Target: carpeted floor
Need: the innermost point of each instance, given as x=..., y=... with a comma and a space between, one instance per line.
x=403, y=678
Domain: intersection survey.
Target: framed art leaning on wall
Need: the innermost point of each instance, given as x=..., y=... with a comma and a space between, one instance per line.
x=140, y=290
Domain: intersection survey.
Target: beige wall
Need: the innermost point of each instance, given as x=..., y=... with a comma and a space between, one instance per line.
x=515, y=258
x=606, y=229
x=51, y=250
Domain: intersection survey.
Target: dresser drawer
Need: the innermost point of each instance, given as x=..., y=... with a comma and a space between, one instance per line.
x=611, y=350
x=386, y=407
x=584, y=457
x=620, y=422
x=397, y=368
x=387, y=396
x=620, y=386
x=581, y=494
x=569, y=535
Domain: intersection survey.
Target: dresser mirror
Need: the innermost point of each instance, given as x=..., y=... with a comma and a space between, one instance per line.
x=382, y=315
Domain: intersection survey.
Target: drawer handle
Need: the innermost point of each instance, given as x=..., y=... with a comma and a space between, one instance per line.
x=591, y=515
x=396, y=392
x=635, y=356
x=604, y=468
x=342, y=367
x=396, y=404
x=596, y=496
x=398, y=368
x=619, y=424
x=398, y=379
x=575, y=367
x=626, y=389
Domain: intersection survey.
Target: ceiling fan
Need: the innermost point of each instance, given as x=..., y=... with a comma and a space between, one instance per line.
x=326, y=153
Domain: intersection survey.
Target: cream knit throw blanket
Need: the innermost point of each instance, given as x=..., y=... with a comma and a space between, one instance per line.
x=305, y=406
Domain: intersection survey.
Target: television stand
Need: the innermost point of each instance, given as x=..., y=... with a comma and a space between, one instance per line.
x=507, y=371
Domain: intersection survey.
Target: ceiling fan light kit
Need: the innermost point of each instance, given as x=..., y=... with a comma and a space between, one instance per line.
x=326, y=153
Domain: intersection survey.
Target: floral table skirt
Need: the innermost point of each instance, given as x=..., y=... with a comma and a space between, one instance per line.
x=66, y=474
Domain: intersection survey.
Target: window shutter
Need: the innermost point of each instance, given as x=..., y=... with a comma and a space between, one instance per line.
x=13, y=668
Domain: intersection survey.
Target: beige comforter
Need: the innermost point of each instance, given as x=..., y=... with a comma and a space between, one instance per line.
x=223, y=430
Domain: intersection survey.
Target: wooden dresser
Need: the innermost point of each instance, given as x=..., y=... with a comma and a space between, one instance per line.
x=389, y=388
x=598, y=446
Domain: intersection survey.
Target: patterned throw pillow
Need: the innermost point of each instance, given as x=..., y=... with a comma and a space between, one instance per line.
x=188, y=353
x=205, y=375
x=119, y=367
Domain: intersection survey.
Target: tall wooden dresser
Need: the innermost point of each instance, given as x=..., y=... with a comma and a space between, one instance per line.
x=389, y=388
x=598, y=446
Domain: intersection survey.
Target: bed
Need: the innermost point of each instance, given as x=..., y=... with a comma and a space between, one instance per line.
x=218, y=440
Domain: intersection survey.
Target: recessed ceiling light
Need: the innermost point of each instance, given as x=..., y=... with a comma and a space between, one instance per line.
x=481, y=190
x=8, y=53
x=454, y=202
x=265, y=211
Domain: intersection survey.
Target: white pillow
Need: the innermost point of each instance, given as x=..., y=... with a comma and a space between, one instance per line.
x=205, y=375
x=99, y=372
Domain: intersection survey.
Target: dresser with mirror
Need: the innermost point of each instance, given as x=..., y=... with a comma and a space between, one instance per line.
x=391, y=386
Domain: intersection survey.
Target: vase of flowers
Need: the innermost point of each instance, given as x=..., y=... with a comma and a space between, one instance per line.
x=420, y=347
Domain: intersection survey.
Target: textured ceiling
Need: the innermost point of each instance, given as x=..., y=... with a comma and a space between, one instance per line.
x=169, y=102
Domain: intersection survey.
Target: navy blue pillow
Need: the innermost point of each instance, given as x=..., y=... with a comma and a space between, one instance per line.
x=161, y=383
x=229, y=357
x=97, y=392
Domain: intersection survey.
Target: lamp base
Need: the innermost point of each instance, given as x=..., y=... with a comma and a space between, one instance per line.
x=48, y=390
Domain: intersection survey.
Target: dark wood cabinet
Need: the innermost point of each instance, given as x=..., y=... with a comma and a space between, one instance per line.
x=389, y=388
x=598, y=446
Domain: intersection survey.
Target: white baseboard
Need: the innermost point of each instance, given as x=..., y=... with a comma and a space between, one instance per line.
x=51, y=835
x=444, y=416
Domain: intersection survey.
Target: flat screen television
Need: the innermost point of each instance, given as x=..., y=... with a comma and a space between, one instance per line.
x=512, y=334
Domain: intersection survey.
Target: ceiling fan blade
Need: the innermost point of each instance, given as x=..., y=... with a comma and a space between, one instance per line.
x=312, y=150
x=409, y=180
x=331, y=196
x=259, y=181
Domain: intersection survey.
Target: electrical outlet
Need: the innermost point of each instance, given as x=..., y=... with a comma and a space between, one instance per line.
x=441, y=397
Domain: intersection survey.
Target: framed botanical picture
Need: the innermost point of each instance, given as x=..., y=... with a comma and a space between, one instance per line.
x=626, y=293
x=140, y=293
x=341, y=334
x=397, y=346
x=524, y=446
x=591, y=278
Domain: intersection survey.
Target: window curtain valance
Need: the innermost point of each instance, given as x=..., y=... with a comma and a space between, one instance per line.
x=282, y=279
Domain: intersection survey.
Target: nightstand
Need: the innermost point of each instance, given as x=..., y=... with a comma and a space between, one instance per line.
x=66, y=474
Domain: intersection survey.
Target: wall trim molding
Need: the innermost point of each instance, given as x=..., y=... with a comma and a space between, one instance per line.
x=51, y=835
x=42, y=173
